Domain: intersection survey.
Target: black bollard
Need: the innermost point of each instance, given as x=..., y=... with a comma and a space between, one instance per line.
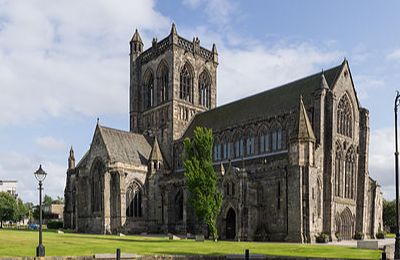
x=383, y=256
x=246, y=254
x=118, y=254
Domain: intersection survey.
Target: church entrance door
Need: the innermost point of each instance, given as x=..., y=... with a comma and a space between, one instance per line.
x=231, y=224
x=345, y=225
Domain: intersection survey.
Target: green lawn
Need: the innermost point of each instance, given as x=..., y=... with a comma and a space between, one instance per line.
x=390, y=235
x=23, y=243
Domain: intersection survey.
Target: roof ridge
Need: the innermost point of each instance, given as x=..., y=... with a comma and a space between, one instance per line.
x=119, y=130
x=275, y=88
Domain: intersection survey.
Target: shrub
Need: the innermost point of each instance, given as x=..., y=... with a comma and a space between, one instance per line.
x=380, y=235
x=54, y=224
x=359, y=235
x=322, y=238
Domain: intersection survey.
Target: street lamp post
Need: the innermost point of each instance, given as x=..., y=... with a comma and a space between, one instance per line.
x=40, y=175
x=396, y=154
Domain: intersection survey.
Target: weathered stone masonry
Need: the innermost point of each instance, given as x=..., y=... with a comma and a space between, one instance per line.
x=292, y=161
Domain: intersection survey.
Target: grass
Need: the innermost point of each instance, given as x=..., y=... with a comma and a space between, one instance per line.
x=390, y=235
x=23, y=243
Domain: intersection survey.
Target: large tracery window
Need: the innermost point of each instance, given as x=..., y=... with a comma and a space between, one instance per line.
x=338, y=166
x=97, y=184
x=345, y=173
x=344, y=117
x=186, y=84
x=134, y=207
x=204, y=90
x=163, y=82
x=149, y=91
x=349, y=175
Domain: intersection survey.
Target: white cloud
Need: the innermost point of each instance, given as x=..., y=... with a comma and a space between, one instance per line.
x=367, y=83
x=219, y=12
x=191, y=3
x=50, y=143
x=20, y=167
x=63, y=59
x=243, y=72
x=394, y=55
x=381, y=160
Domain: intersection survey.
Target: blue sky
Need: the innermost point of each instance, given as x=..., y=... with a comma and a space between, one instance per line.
x=65, y=63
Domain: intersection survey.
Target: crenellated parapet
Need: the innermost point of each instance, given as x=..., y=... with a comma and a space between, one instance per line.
x=174, y=39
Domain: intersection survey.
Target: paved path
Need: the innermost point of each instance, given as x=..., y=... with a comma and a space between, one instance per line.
x=381, y=242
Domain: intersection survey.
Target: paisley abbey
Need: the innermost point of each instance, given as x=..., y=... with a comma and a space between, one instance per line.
x=292, y=161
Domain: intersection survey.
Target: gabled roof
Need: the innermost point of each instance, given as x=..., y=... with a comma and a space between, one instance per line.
x=266, y=104
x=125, y=147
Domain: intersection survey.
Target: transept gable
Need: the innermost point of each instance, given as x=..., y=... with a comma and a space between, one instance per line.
x=344, y=83
x=120, y=146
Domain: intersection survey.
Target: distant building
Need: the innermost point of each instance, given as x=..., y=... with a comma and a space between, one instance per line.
x=54, y=211
x=9, y=186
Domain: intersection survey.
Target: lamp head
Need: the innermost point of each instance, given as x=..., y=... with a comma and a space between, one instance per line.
x=40, y=175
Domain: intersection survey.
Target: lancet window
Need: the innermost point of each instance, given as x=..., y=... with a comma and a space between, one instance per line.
x=163, y=75
x=344, y=117
x=149, y=90
x=134, y=197
x=186, y=84
x=97, y=184
x=205, y=90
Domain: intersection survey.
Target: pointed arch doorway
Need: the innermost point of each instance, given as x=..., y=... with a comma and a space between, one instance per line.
x=230, y=224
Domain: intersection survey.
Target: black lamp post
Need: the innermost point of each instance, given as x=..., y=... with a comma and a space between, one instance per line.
x=40, y=175
x=396, y=155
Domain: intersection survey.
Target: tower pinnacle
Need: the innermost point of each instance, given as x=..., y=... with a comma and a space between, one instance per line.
x=136, y=43
x=71, y=159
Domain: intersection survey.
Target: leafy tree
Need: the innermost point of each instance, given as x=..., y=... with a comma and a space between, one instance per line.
x=201, y=179
x=47, y=200
x=389, y=214
x=29, y=206
x=8, y=207
x=21, y=210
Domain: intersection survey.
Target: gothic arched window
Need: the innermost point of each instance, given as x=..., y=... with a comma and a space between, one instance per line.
x=338, y=171
x=264, y=144
x=205, y=90
x=344, y=117
x=163, y=80
x=186, y=84
x=149, y=90
x=179, y=205
x=97, y=184
x=134, y=196
x=319, y=199
x=349, y=174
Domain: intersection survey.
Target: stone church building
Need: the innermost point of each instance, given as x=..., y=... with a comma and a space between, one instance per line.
x=292, y=161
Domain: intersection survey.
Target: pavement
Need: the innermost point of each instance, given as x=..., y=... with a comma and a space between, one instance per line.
x=353, y=243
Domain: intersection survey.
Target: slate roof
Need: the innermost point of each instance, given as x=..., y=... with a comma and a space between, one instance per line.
x=265, y=104
x=125, y=147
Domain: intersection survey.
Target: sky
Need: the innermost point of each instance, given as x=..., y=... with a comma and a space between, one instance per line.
x=64, y=63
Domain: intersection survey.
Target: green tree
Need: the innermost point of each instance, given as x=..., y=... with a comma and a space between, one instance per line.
x=8, y=207
x=21, y=210
x=389, y=214
x=47, y=200
x=201, y=179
